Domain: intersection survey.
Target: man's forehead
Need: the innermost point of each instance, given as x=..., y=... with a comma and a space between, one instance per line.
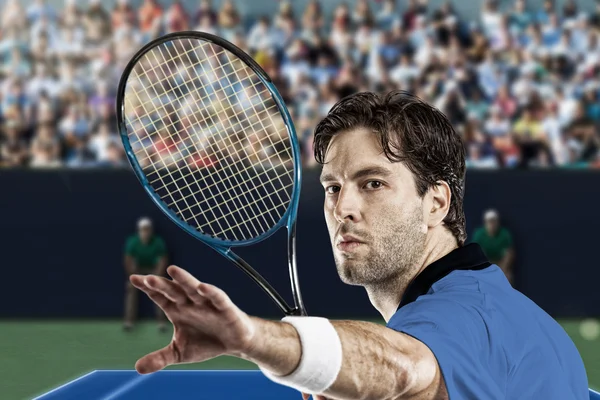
x=356, y=150
x=354, y=144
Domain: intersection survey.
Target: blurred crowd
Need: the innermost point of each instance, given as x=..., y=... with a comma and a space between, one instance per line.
x=520, y=85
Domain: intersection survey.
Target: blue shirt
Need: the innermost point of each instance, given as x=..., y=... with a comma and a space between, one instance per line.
x=491, y=341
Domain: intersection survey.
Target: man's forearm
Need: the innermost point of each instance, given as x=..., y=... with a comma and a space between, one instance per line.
x=375, y=360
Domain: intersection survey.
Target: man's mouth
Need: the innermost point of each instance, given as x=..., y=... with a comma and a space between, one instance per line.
x=348, y=243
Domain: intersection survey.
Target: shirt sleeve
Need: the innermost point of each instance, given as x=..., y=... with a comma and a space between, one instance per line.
x=476, y=236
x=459, y=339
x=508, y=241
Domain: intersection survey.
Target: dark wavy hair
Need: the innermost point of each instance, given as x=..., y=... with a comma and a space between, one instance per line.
x=409, y=131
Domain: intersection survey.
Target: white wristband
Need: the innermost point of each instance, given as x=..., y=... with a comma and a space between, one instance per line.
x=321, y=359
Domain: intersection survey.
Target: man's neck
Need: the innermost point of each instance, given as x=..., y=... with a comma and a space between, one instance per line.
x=386, y=298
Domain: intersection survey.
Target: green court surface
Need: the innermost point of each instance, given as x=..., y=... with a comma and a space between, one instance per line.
x=36, y=356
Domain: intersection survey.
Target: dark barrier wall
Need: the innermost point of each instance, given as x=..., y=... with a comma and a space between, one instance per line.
x=62, y=237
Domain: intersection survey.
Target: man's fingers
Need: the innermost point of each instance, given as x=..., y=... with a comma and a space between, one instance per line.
x=157, y=360
x=186, y=281
x=216, y=296
x=167, y=288
x=139, y=282
x=200, y=291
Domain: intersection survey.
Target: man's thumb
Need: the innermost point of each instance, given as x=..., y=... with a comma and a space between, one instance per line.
x=156, y=361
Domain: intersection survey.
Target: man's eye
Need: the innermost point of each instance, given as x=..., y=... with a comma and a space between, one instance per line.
x=332, y=189
x=373, y=185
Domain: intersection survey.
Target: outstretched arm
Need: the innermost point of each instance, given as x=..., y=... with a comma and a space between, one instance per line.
x=377, y=362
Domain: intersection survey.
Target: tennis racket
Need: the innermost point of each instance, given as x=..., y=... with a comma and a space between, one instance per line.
x=211, y=141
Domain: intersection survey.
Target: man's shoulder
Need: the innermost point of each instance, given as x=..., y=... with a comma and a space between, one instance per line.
x=132, y=240
x=158, y=241
x=504, y=232
x=478, y=232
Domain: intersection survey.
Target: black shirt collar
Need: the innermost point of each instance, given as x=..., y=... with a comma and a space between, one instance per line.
x=468, y=257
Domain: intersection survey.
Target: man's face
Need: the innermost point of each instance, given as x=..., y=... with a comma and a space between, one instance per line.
x=491, y=225
x=145, y=232
x=374, y=215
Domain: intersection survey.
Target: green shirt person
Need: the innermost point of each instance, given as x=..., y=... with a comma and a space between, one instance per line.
x=145, y=253
x=496, y=242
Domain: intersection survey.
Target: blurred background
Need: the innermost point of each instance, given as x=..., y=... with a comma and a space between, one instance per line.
x=518, y=79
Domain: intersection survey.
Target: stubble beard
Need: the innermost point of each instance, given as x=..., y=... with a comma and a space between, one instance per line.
x=393, y=254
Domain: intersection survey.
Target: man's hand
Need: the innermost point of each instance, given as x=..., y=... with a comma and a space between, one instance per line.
x=206, y=323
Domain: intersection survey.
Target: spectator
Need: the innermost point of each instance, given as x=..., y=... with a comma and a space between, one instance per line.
x=531, y=140
x=122, y=14
x=39, y=9
x=80, y=156
x=388, y=16
x=13, y=147
x=101, y=102
x=477, y=106
x=149, y=17
x=74, y=128
x=362, y=14
x=101, y=142
x=13, y=16
x=497, y=243
x=145, y=253
x=543, y=15
x=260, y=36
x=551, y=125
x=16, y=104
x=71, y=15
x=498, y=125
x=42, y=81
x=45, y=110
x=341, y=36
x=491, y=18
x=229, y=20
x=176, y=18
x=582, y=134
x=498, y=128
x=205, y=10
x=480, y=149
x=97, y=24
x=312, y=19
x=45, y=148
x=114, y=158
x=41, y=53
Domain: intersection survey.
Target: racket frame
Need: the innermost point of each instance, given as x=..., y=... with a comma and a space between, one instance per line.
x=224, y=247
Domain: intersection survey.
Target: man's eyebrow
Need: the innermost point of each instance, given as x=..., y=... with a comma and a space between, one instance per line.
x=327, y=178
x=370, y=171
x=361, y=173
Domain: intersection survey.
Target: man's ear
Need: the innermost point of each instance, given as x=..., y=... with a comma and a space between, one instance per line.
x=440, y=197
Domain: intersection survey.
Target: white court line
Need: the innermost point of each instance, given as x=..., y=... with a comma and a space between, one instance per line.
x=127, y=386
x=66, y=384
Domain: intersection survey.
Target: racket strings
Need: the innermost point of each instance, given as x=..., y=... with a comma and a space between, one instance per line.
x=241, y=186
x=223, y=89
x=183, y=212
x=248, y=191
x=251, y=126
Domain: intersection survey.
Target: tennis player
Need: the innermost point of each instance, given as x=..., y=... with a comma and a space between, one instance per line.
x=393, y=174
